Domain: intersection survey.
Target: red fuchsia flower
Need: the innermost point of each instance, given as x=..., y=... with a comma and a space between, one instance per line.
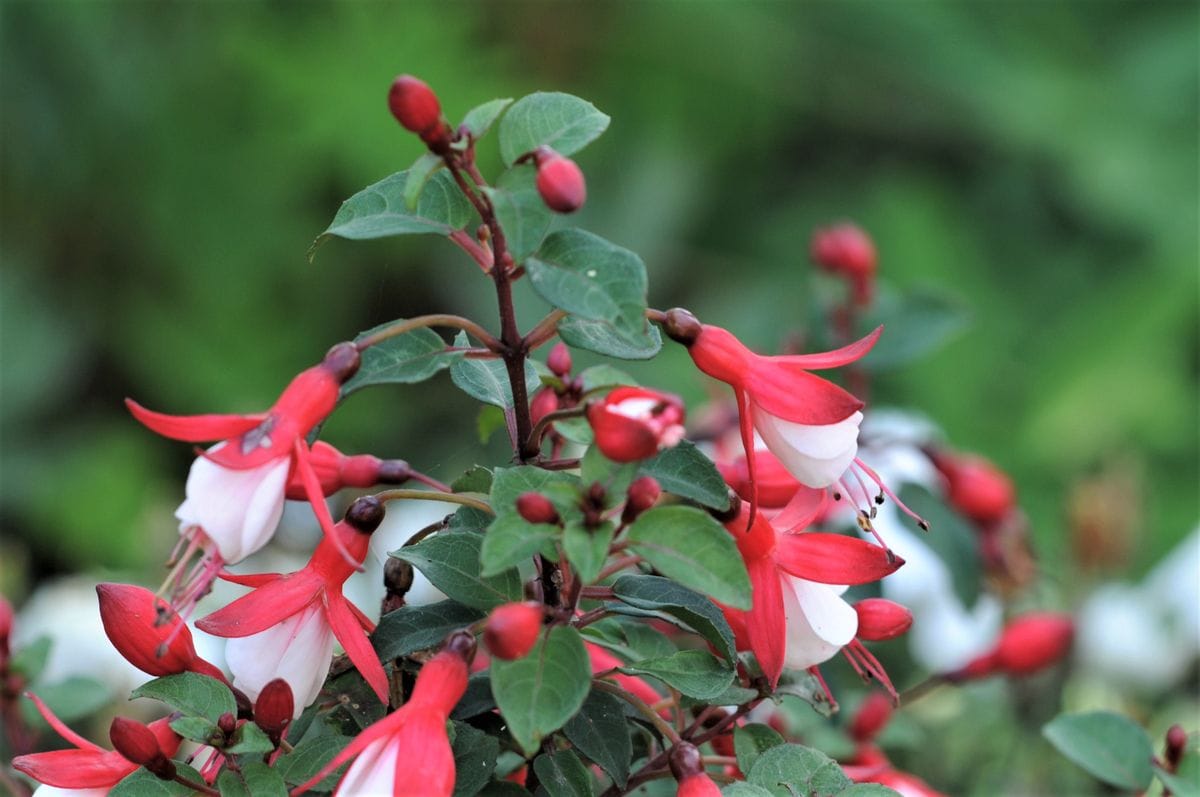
x=688, y=770
x=89, y=768
x=633, y=423
x=798, y=619
x=559, y=181
x=274, y=709
x=871, y=718
x=976, y=487
x=407, y=753
x=335, y=471
x=880, y=619
x=148, y=633
x=1027, y=644
x=846, y=251
x=512, y=630
x=285, y=628
x=775, y=484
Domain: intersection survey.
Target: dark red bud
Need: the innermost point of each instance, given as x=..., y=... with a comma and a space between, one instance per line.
x=976, y=487
x=1033, y=642
x=561, y=184
x=343, y=361
x=1177, y=740
x=393, y=471
x=414, y=105
x=545, y=401
x=684, y=759
x=138, y=744
x=880, y=619
x=365, y=514
x=273, y=709
x=643, y=493
x=844, y=249
x=397, y=576
x=227, y=723
x=512, y=630
x=681, y=326
x=559, y=360
x=461, y=644
x=536, y=508
x=872, y=717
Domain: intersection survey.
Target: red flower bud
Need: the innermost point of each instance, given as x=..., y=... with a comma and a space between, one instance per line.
x=872, y=717
x=559, y=360
x=138, y=744
x=976, y=487
x=1033, y=642
x=633, y=423
x=545, y=401
x=559, y=181
x=536, y=508
x=880, y=619
x=512, y=629
x=6, y=624
x=273, y=709
x=643, y=493
x=698, y=785
x=148, y=633
x=415, y=106
x=847, y=251
x=1177, y=740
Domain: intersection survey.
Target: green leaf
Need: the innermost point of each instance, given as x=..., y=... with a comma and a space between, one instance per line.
x=751, y=741
x=198, y=729
x=591, y=278
x=489, y=421
x=695, y=673
x=605, y=338
x=141, y=783
x=481, y=118
x=1108, y=746
x=255, y=779
x=70, y=699
x=562, y=774
x=476, y=479
x=538, y=693
x=698, y=612
x=487, y=380
x=474, y=759
x=587, y=549
x=685, y=471
x=601, y=376
x=477, y=699
x=503, y=789
x=450, y=560
x=405, y=359
x=195, y=695
x=521, y=211
x=803, y=686
x=953, y=539
x=646, y=642
x=308, y=758
x=600, y=732
x=562, y=122
x=249, y=739
x=418, y=175
x=868, y=790
x=378, y=211
x=687, y=545
x=781, y=769
x=412, y=628
x=510, y=540
x=576, y=430
x=743, y=789
x=509, y=484
x=31, y=659
x=614, y=477
x=917, y=323
x=1185, y=782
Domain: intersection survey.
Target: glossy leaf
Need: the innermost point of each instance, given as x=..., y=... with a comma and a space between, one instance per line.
x=405, y=359
x=695, y=673
x=538, y=693
x=685, y=471
x=1108, y=746
x=600, y=732
x=605, y=338
x=194, y=695
x=309, y=757
x=561, y=121
x=474, y=759
x=450, y=560
x=591, y=278
x=782, y=769
x=522, y=213
x=479, y=120
x=687, y=545
x=664, y=595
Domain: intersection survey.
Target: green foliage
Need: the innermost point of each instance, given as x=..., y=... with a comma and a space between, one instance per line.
x=687, y=606
x=564, y=123
x=412, y=628
x=487, y=380
x=695, y=673
x=1109, y=746
x=520, y=210
x=141, y=783
x=685, y=471
x=562, y=774
x=474, y=759
x=253, y=779
x=195, y=695
x=309, y=757
x=782, y=768
x=687, y=545
x=538, y=693
x=450, y=560
x=600, y=732
x=751, y=741
x=412, y=357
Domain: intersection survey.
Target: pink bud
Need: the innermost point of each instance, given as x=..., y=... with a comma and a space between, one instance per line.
x=559, y=181
x=643, y=493
x=1177, y=740
x=147, y=632
x=698, y=785
x=138, y=744
x=847, y=251
x=633, y=423
x=415, y=106
x=976, y=487
x=559, y=360
x=1033, y=642
x=512, y=630
x=536, y=508
x=273, y=709
x=872, y=717
x=880, y=619
x=545, y=401
x=6, y=624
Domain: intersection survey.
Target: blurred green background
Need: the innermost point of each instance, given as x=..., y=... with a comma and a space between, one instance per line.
x=165, y=167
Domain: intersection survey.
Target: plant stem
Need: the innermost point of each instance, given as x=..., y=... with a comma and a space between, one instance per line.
x=544, y=330
x=534, y=444
x=435, y=320
x=200, y=787
x=427, y=495
x=650, y=714
x=478, y=252
x=617, y=566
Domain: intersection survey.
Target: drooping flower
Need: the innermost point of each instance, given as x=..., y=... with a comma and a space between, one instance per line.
x=285, y=628
x=634, y=423
x=407, y=753
x=148, y=633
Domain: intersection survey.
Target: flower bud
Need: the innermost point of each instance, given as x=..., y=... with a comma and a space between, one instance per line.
x=847, y=251
x=461, y=644
x=273, y=709
x=633, y=423
x=1033, y=642
x=536, y=508
x=559, y=181
x=1177, y=740
x=559, y=360
x=6, y=624
x=681, y=326
x=545, y=401
x=880, y=619
x=138, y=744
x=336, y=470
x=365, y=514
x=415, y=106
x=147, y=632
x=512, y=630
x=343, y=361
x=871, y=718
x=684, y=760
x=643, y=493
x=976, y=487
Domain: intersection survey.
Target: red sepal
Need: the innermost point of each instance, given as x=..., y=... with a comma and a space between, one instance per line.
x=76, y=769
x=766, y=624
x=266, y=606
x=194, y=428
x=834, y=558
x=354, y=640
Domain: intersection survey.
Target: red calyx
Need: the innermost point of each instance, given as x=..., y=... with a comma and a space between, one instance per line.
x=643, y=493
x=416, y=107
x=559, y=360
x=559, y=181
x=872, y=717
x=147, y=632
x=138, y=744
x=632, y=423
x=880, y=619
x=536, y=508
x=1177, y=739
x=847, y=251
x=1033, y=642
x=976, y=487
x=273, y=709
x=512, y=630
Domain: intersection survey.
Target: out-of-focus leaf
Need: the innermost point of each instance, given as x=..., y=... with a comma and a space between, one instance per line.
x=70, y=699
x=914, y=325
x=1108, y=746
x=950, y=537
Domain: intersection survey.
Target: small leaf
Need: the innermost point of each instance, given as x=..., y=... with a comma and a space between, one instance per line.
x=804, y=686
x=521, y=211
x=487, y=380
x=141, y=783
x=255, y=779
x=601, y=376
x=603, y=337
x=510, y=540
x=538, y=693
x=31, y=659
x=562, y=774
x=600, y=732
x=477, y=479
x=378, y=211
x=474, y=759
x=751, y=741
x=685, y=471
x=695, y=673
x=249, y=738
x=481, y=118
x=565, y=123
x=508, y=484
x=195, y=695
x=614, y=477
x=307, y=759
x=418, y=175
x=450, y=560
x=781, y=769
x=1108, y=746
x=587, y=549
x=198, y=729
x=687, y=545
x=697, y=611
x=405, y=359
x=412, y=628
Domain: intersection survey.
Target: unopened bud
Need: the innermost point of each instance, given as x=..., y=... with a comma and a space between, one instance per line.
x=138, y=744
x=343, y=361
x=684, y=760
x=633, y=423
x=871, y=718
x=847, y=251
x=397, y=576
x=559, y=181
x=559, y=360
x=681, y=326
x=1034, y=641
x=461, y=644
x=393, y=471
x=415, y=106
x=227, y=723
x=512, y=630
x=365, y=514
x=976, y=487
x=545, y=401
x=1177, y=740
x=273, y=709
x=147, y=632
x=643, y=493
x=536, y=508
x=880, y=619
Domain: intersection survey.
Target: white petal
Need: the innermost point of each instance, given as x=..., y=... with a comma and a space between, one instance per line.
x=55, y=791
x=237, y=509
x=297, y=650
x=373, y=773
x=816, y=455
x=819, y=623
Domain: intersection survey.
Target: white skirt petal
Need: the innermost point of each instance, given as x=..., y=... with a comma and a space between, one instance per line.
x=237, y=509
x=373, y=773
x=819, y=623
x=297, y=650
x=816, y=455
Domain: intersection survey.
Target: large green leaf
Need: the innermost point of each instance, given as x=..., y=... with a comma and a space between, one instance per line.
x=751, y=741
x=450, y=560
x=487, y=380
x=565, y=123
x=591, y=278
x=1109, y=746
x=687, y=472
x=695, y=673
x=253, y=779
x=562, y=774
x=474, y=759
x=522, y=213
x=193, y=694
x=687, y=545
x=541, y=691
x=510, y=540
x=782, y=769
x=412, y=357
x=379, y=211
x=600, y=732
x=142, y=783
x=698, y=612
x=308, y=758
x=412, y=628
x=604, y=338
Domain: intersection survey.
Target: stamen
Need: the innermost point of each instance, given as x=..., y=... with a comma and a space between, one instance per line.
x=871, y=665
x=815, y=672
x=922, y=522
x=866, y=493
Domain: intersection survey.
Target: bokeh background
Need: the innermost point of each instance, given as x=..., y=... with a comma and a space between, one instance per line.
x=166, y=166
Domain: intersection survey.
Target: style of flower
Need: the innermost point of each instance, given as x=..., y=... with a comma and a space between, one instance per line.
x=633, y=423
x=88, y=770
x=285, y=628
x=798, y=618
x=407, y=753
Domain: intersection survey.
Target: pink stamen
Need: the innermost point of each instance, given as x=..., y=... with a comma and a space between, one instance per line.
x=867, y=661
x=922, y=522
x=816, y=673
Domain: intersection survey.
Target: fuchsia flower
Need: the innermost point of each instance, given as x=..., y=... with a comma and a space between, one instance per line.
x=148, y=633
x=633, y=423
x=512, y=629
x=688, y=770
x=335, y=470
x=88, y=769
x=285, y=628
x=407, y=753
x=798, y=619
